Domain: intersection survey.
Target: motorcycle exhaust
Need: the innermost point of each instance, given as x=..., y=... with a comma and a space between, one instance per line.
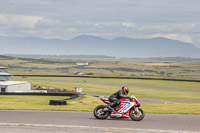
x=115, y=115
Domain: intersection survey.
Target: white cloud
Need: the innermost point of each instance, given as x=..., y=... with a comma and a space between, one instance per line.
x=3, y=20
x=128, y=24
x=196, y=40
x=169, y=28
x=180, y=37
x=46, y=23
x=71, y=30
x=64, y=19
x=19, y=21
x=155, y=28
x=125, y=24
x=184, y=27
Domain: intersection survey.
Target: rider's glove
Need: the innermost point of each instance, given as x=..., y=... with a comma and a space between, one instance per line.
x=131, y=99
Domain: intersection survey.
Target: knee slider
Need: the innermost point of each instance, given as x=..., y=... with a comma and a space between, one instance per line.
x=118, y=101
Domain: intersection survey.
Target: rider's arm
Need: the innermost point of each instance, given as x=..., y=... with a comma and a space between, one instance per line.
x=122, y=96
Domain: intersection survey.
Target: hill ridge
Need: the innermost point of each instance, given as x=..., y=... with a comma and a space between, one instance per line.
x=93, y=45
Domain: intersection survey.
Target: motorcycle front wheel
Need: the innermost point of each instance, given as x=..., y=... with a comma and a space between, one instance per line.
x=99, y=112
x=137, y=115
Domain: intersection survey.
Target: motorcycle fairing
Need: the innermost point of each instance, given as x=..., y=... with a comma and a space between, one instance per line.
x=124, y=106
x=105, y=100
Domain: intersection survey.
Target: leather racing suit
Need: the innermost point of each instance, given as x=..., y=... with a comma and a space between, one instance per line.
x=114, y=98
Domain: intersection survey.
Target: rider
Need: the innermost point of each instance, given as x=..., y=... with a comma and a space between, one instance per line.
x=114, y=98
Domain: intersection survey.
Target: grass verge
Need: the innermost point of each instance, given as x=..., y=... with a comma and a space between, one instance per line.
x=88, y=103
x=83, y=103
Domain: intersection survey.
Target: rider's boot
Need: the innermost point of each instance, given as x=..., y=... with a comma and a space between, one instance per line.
x=110, y=108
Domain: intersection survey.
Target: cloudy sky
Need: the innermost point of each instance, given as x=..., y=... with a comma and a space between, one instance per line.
x=65, y=19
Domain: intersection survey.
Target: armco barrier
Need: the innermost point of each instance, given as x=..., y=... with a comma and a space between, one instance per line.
x=39, y=94
x=72, y=97
x=168, y=79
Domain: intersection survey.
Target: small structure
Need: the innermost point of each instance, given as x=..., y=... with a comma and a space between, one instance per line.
x=3, y=75
x=12, y=86
x=78, y=90
x=80, y=73
x=82, y=63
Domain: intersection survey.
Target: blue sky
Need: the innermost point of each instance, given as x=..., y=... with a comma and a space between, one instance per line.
x=65, y=19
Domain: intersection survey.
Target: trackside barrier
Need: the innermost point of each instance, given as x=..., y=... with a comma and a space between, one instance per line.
x=39, y=94
x=51, y=102
x=168, y=79
x=57, y=102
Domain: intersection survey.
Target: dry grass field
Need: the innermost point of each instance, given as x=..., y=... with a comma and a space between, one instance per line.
x=183, y=69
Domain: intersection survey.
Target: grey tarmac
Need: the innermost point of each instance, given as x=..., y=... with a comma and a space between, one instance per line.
x=69, y=121
x=36, y=128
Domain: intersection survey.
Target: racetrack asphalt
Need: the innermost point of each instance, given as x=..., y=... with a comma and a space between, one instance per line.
x=85, y=121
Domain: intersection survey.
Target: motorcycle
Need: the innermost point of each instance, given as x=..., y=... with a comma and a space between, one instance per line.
x=125, y=109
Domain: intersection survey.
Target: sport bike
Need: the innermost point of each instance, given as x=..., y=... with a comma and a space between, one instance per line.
x=124, y=109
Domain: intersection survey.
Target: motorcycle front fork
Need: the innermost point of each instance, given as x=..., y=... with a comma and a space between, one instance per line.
x=136, y=109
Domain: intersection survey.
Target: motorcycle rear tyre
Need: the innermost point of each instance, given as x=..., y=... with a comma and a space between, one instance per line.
x=133, y=117
x=102, y=116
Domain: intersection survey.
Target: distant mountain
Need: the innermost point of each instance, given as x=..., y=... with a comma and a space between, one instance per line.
x=12, y=56
x=92, y=45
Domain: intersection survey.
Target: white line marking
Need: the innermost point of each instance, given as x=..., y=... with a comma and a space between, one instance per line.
x=88, y=127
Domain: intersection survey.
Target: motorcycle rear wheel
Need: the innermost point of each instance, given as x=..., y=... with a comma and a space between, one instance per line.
x=99, y=112
x=136, y=116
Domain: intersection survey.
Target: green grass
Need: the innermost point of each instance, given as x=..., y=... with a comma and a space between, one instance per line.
x=138, y=91
x=83, y=103
x=87, y=103
x=155, y=83
x=175, y=108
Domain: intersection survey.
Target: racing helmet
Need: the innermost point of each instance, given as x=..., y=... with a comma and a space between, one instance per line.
x=125, y=90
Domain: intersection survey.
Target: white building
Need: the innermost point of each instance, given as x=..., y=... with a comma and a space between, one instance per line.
x=12, y=86
x=82, y=63
x=80, y=73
